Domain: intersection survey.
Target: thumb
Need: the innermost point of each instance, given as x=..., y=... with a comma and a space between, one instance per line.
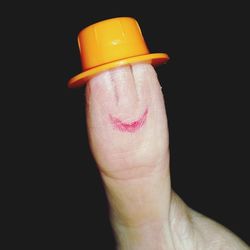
x=128, y=134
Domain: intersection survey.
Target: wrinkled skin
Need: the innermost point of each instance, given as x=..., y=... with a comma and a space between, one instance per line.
x=128, y=134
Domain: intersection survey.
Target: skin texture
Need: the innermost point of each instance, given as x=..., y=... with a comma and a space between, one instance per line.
x=128, y=134
x=130, y=127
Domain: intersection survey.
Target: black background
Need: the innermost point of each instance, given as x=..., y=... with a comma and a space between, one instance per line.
x=57, y=199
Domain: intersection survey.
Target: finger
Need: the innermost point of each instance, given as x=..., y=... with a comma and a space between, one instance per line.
x=128, y=134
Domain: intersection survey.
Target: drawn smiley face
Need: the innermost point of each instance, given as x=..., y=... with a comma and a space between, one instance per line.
x=129, y=127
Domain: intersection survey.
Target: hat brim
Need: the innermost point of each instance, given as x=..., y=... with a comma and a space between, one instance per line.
x=82, y=78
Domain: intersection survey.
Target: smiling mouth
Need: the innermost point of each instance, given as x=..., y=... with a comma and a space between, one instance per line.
x=130, y=127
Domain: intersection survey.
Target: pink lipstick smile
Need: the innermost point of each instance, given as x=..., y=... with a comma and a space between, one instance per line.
x=130, y=127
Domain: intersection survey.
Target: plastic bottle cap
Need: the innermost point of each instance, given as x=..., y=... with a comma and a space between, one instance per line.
x=109, y=44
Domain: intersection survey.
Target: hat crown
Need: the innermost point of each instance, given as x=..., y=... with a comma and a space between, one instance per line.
x=110, y=40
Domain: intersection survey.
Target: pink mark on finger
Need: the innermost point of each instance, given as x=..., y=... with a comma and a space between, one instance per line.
x=130, y=127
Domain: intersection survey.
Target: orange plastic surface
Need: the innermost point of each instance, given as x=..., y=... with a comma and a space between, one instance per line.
x=112, y=43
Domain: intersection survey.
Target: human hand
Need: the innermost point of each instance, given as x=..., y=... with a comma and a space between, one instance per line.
x=128, y=134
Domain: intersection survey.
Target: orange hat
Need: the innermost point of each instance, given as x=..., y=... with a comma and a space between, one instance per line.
x=109, y=44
